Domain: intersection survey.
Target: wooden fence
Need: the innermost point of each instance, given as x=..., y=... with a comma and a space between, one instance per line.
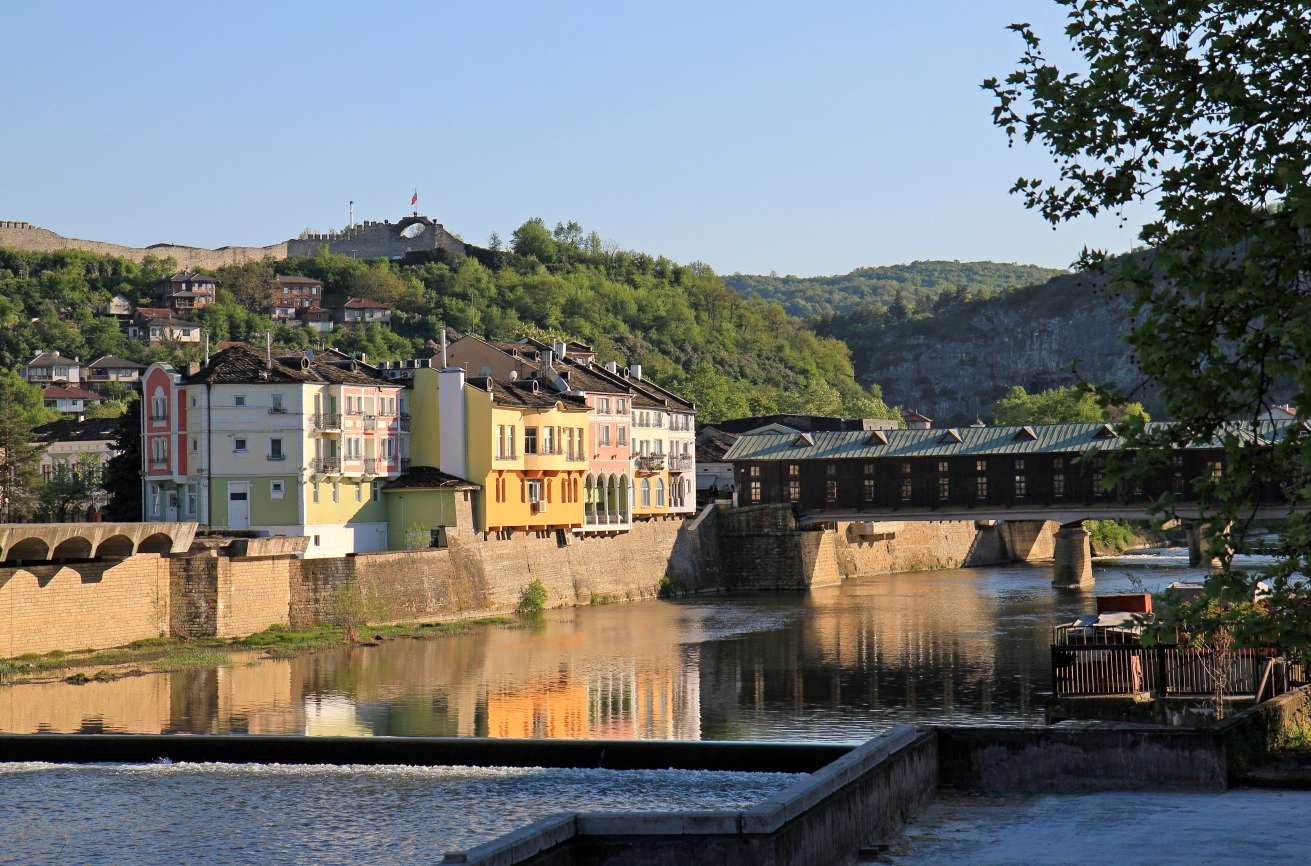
x=1090, y=670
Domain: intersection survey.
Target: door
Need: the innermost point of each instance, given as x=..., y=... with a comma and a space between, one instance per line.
x=238, y=505
x=172, y=515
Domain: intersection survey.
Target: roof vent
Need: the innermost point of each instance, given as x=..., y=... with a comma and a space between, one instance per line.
x=536, y=388
x=1106, y=432
x=949, y=436
x=803, y=440
x=304, y=363
x=1026, y=433
x=877, y=437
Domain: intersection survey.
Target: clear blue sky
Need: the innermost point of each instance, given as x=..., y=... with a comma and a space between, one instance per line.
x=801, y=138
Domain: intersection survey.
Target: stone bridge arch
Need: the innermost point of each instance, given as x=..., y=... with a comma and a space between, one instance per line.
x=45, y=542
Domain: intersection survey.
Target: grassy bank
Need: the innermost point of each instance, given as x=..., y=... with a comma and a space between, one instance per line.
x=172, y=654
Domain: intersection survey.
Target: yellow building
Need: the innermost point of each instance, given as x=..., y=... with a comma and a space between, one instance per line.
x=525, y=446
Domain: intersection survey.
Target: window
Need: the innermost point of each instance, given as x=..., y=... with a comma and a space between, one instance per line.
x=277, y=489
x=1058, y=485
x=1217, y=468
x=530, y=440
x=869, y=490
x=535, y=490
x=1021, y=486
x=548, y=440
x=831, y=490
x=314, y=491
x=794, y=470
x=980, y=465
x=794, y=491
x=275, y=403
x=275, y=449
x=623, y=435
x=831, y=470
x=159, y=406
x=154, y=499
x=1058, y=463
x=623, y=406
x=603, y=405
x=942, y=466
x=660, y=493
x=646, y=492
x=1097, y=475
x=238, y=446
x=869, y=468
x=906, y=490
x=754, y=471
x=604, y=431
x=944, y=487
x=500, y=441
x=239, y=400
x=195, y=444
x=905, y=468
x=754, y=491
x=981, y=487
x=193, y=500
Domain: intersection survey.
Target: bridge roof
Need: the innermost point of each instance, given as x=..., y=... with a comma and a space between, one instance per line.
x=941, y=442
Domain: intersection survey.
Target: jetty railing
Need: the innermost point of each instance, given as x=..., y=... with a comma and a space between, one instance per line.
x=1111, y=669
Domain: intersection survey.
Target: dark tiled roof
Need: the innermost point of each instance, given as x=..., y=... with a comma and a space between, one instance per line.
x=293, y=280
x=90, y=430
x=525, y=394
x=115, y=362
x=51, y=359
x=363, y=303
x=712, y=444
x=188, y=277
x=912, y=415
x=244, y=365
x=428, y=478
x=960, y=441
x=583, y=377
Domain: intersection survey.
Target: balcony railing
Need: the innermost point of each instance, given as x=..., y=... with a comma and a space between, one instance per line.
x=404, y=419
x=324, y=421
x=327, y=465
x=158, y=465
x=680, y=464
x=276, y=457
x=370, y=465
x=651, y=463
x=277, y=410
x=370, y=422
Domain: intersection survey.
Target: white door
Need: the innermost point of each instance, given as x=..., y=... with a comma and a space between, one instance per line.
x=238, y=505
x=172, y=515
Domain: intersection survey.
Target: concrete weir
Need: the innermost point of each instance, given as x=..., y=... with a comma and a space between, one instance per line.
x=1072, y=557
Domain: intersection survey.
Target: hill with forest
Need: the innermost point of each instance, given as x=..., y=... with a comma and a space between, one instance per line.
x=912, y=284
x=733, y=356
x=953, y=358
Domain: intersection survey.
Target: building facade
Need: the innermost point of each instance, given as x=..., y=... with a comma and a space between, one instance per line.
x=50, y=367
x=282, y=446
x=185, y=292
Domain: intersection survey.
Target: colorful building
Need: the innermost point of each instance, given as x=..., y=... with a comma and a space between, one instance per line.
x=284, y=445
x=522, y=443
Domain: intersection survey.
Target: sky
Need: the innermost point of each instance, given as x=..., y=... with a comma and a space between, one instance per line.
x=765, y=136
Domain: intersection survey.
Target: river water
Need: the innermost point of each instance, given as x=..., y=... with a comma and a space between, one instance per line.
x=963, y=646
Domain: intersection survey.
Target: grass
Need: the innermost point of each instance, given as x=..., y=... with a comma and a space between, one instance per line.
x=172, y=654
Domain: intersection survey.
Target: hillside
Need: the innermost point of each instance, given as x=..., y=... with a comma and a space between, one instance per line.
x=819, y=296
x=954, y=362
x=733, y=356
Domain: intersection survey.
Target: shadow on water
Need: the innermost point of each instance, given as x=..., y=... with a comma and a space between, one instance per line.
x=840, y=663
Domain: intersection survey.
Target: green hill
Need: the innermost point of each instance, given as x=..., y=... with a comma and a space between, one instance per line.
x=809, y=297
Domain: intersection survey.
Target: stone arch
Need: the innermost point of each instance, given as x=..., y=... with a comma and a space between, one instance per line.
x=28, y=550
x=115, y=547
x=77, y=547
x=589, y=499
x=612, y=496
x=158, y=543
x=622, y=483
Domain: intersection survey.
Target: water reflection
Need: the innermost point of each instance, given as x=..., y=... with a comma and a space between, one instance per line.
x=963, y=646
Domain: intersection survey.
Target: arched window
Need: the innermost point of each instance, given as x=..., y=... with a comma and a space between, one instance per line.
x=646, y=492
x=660, y=493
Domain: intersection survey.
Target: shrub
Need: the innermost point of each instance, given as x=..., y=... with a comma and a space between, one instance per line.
x=532, y=599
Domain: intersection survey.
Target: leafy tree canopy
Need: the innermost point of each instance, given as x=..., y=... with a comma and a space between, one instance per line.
x=1059, y=405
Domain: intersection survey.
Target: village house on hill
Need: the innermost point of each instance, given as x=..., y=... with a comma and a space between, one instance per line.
x=186, y=291
x=69, y=399
x=290, y=295
x=47, y=367
x=362, y=311
x=111, y=368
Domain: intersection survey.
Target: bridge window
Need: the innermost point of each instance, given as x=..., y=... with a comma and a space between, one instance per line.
x=944, y=487
x=1097, y=480
x=646, y=492
x=1058, y=462
x=794, y=470
x=942, y=466
x=869, y=489
x=906, y=489
x=1021, y=486
x=831, y=470
x=1217, y=469
x=980, y=465
x=754, y=471
x=905, y=468
x=1058, y=485
x=794, y=491
x=869, y=468
x=831, y=491
x=981, y=487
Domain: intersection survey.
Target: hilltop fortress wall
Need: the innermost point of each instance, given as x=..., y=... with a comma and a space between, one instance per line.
x=370, y=239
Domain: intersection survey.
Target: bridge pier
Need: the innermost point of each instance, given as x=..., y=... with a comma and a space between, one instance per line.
x=1072, y=557
x=1196, y=529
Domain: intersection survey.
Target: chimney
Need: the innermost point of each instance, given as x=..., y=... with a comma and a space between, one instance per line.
x=635, y=370
x=611, y=367
x=561, y=349
x=444, y=348
x=548, y=360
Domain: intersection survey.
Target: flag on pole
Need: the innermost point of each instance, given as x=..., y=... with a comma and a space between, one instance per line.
x=414, y=199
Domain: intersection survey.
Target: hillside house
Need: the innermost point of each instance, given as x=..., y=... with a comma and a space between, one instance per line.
x=362, y=311
x=186, y=291
x=49, y=367
x=290, y=294
x=111, y=368
x=69, y=399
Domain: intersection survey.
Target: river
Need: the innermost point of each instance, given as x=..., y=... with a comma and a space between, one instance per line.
x=964, y=646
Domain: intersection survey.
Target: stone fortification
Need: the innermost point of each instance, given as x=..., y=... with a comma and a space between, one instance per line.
x=371, y=239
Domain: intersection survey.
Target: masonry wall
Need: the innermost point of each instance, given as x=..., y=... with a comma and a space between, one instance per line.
x=1028, y=540
x=88, y=606
x=886, y=547
x=24, y=236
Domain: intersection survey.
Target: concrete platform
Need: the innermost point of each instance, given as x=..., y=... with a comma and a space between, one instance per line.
x=1234, y=827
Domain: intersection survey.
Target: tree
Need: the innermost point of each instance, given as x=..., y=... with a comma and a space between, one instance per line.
x=20, y=459
x=533, y=239
x=1059, y=405
x=122, y=473
x=250, y=285
x=1197, y=111
x=71, y=490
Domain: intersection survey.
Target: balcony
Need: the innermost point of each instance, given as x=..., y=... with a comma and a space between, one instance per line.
x=650, y=463
x=277, y=410
x=680, y=464
x=404, y=419
x=370, y=465
x=158, y=465
x=327, y=422
x=538, y=506
x=326, y=465
x=370, y=423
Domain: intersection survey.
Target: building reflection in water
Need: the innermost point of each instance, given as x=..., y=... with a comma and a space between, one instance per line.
x=836, y=664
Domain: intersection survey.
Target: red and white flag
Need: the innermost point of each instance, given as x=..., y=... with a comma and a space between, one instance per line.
x=414, y=199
